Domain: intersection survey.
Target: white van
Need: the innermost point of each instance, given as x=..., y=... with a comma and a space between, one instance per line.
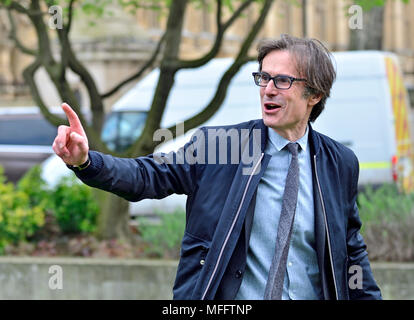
x=368, y=111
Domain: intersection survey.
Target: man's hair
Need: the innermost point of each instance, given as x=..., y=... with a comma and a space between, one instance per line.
x=313, y=62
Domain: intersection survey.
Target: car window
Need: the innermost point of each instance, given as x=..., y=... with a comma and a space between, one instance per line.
x=121, y=129
x=26, y=130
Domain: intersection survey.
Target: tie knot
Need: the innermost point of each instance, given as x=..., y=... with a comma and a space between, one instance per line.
x=293, y=148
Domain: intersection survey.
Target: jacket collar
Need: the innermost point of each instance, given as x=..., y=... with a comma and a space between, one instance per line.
x=314, y=141
x=259, y=124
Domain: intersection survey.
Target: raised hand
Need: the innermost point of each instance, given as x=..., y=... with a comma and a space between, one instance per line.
x=71, y=143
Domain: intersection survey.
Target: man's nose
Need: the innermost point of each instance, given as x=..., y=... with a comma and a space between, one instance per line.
x=271, y=89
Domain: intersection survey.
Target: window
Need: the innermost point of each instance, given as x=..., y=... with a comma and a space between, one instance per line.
x=122, y=128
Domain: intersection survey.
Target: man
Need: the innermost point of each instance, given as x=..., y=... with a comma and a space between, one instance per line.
x=289, y=228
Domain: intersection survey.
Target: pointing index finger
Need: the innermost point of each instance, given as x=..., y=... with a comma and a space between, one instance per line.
x=73, y=118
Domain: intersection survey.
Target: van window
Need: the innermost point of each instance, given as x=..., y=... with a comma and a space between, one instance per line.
x=26, y=131
x=121, y=129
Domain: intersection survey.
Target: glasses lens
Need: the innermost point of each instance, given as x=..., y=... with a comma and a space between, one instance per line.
x=261, y=79
x=264, y=79
x=257, y=78
x=283, y=82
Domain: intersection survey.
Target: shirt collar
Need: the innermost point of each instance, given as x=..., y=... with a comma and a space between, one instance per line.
x=279, y=142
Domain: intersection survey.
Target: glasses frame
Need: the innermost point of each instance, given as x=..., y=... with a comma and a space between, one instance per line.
x=292, y=79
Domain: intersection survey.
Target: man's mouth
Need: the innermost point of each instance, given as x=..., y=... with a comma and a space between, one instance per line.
x=272, y=106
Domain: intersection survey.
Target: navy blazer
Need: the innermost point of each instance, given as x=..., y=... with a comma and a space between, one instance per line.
x=220, y=208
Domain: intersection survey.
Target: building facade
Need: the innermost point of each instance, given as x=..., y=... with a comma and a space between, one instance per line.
x=116, y=45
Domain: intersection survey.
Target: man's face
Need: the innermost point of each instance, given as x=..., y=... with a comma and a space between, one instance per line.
x=286, y=111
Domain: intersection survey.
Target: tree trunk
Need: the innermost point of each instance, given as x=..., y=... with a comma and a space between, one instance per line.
x=113, y=221
x=371, y=35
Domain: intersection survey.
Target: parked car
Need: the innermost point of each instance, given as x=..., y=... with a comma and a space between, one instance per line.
x=25, y=140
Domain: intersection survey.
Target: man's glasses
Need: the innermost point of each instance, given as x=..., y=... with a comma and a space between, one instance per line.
x=280, y=81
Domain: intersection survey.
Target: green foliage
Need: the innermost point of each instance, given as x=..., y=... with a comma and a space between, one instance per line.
x=75, y=207
x=367, y=5
x=164, y=238
x=71, y=203
x=19, y=219
x=5, y=2
x=385, y=204
x=96, y=7
x=387, y=223
x=34, y=186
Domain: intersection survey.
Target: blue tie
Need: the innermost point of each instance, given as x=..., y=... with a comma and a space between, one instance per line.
x=274, y=285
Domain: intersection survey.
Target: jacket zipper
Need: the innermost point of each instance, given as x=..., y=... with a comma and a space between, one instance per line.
x=326, y=227
x=231, y=229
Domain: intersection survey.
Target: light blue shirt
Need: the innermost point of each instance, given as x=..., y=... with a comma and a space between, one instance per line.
x=302, y=279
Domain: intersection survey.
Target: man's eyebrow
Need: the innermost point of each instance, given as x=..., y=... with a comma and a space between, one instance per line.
x=278, y=74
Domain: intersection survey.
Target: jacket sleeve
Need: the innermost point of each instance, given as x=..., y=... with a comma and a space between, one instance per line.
x=149, y=177
x=357, y=254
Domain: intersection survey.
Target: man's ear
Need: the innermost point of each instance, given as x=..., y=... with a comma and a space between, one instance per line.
x=314, y=99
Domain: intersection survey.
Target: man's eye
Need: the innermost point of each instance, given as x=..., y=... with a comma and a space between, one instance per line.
x=283, y=80
x=265, y=77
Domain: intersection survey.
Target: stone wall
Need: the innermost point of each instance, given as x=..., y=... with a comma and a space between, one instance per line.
x=82, y=278
x=35, y=278
x=396, y=280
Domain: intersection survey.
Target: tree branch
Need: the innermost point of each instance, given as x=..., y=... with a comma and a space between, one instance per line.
x=68, y=59
x=64, y=59
x=215, y=103
x=28, y=75
x=237, y=13
x=140, y=72
x=255, y=29
x=77, y=67
x=173, y=37
x=218, y=15
x=18, y=7
x=13, y=5
x=63, y=35
x=14, y=37
x=44, y=48
x=221, y=29
x=46, y=58
x=225, y=80
x=70, y=16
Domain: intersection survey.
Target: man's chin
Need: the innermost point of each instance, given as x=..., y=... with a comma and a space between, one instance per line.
x=270, y=122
